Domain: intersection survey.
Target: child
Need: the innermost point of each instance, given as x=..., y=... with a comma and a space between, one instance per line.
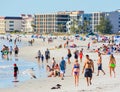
x=15, y=71
x=42, y=58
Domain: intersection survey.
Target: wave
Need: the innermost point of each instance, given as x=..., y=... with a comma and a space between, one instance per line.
x=6, y=66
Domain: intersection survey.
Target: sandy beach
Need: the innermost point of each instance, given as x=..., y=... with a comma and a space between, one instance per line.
x=101, y=83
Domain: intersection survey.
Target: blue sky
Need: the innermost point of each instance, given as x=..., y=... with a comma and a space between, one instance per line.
x=17, y=7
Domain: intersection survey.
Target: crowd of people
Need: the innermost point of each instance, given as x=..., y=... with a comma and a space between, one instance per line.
x=59, y=69
x=88, y=66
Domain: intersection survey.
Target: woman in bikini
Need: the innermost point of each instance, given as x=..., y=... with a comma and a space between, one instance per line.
x=112, y=65
x=75, y=72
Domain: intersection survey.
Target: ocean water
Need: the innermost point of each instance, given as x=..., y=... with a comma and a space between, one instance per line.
x=6, y=67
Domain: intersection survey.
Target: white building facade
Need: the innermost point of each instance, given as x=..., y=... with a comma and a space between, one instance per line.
x=96, y=16
x=2, y=24
x=13, y=24
x=27, y=23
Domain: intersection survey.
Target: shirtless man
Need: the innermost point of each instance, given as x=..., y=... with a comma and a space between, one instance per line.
x=99, y=63
x=89, y=69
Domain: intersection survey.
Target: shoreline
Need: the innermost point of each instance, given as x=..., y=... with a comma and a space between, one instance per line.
x=99, y=83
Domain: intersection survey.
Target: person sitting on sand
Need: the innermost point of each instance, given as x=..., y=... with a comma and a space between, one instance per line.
x=30, y=72
x=73, y=45
x=50, y=70
x=56, y=70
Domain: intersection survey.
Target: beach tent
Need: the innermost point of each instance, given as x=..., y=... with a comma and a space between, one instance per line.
x=117, y=39
x=77, y=35
x=91, y=34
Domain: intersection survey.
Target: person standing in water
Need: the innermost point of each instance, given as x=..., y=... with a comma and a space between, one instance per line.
x=16, y=71
x=16, y=50
x=112, y=65
x=89, y=69
x=10, y=50
x=99, y=63
x=39, y=56
x=42, y=58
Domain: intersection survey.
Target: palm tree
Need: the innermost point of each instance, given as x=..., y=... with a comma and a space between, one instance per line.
x=86, y=25
x=80, y=28
x=60, y=28
x=104, y=26
x=74, y=26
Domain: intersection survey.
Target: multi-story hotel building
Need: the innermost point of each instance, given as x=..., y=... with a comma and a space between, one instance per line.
x=27, y=23
x=80, y=17
x=47, y=23
x=74, y=15
x=114, y=18
x=13, y=23
x=2, y=25
x=88, y=19
x=96, y=17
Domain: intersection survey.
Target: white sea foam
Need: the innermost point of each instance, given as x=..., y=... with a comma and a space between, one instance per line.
x=6, y=66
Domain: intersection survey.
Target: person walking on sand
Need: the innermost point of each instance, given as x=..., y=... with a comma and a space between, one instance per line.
x=62, y=68
x=88, y=46
x=53, y=62
x=89, y=69
x=76, y=53
x=81, y=55
x=76, y=72
x=112, y=65
x=69, y=56
x=47, y=55
x=99, y=63
x=16, y=71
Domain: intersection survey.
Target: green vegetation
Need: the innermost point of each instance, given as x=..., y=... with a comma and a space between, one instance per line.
x=74, y=26
x=80, y=28
x=104, y=26
x=60, y=28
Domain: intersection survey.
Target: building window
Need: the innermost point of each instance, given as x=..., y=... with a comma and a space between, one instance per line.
x=11, y=21
x=11, y=29
x=11, y=25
